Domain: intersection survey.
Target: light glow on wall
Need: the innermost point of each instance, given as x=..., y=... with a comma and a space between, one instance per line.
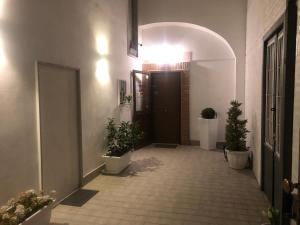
x=163, y=54
x=102, y=45
x=102, y=71
x=2, y=55
x=1, y=7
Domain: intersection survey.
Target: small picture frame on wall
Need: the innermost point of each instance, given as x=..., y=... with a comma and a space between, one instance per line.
x=121, y=91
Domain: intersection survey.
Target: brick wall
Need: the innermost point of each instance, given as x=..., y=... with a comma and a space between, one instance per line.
x=185, y=94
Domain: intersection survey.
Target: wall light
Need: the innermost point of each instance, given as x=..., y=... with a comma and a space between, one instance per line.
x=1, y=7
x=2, y=55
x=163, y=54
x=102, y=45
x=102, y=71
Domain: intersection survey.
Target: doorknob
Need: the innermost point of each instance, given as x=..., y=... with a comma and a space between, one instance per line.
x=294, y=211
x=288, y=186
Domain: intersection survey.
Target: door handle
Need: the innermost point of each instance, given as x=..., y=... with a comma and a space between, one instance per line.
x=294, y=212
x=288, y=186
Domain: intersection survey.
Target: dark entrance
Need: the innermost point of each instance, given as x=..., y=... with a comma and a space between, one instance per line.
x=165, y=113
x=277, y=109
x=274, y=87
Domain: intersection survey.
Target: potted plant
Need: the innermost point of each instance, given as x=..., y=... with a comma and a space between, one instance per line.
x=208, y=125
x=126, y=109
x=127, y=99
x=236, y=133
x=273, y=215
x=29, y=208
x=121, y=141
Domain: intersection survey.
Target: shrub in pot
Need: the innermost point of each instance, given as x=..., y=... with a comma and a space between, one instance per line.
x=121, y=141
x=127, y=99
x=208, y=125
x=30, y=208
x=236, y=133
x=209, y=113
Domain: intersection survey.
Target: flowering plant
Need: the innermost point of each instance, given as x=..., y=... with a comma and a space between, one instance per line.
x=18, y=210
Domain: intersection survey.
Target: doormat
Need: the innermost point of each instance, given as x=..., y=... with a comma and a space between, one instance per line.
x=79, y=198
x=165, y=146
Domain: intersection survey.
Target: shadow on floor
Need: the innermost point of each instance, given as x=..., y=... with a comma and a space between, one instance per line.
x=142, y=165
x=79, y=198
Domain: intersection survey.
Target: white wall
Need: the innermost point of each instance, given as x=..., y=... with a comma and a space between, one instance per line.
x=261, y=15
x=212, y=81
x=227, y=18
x=65, y=33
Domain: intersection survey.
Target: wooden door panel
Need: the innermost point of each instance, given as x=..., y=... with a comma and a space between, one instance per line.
x=268, y=174
x=165, y=92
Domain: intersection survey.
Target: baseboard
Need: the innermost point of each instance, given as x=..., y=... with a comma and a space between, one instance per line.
x=195, y=143
x=92, y=175
x=219, y=144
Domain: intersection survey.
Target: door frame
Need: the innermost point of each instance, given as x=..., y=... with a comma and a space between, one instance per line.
x=179, y=100
x=288, y=22
x=133, y=88
x=38, y=124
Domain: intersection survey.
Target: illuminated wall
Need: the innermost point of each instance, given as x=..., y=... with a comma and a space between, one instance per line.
x=86, y=34
x=212, y=71
x=227, y=18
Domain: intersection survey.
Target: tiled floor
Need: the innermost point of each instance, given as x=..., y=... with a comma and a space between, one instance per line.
x=183, y=186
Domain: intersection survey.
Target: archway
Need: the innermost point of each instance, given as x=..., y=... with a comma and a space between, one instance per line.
x=212, y=65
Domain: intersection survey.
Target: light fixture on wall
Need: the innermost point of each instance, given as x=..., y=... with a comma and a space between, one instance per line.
x=102, y=71
x=2, y=55
x=102, y=45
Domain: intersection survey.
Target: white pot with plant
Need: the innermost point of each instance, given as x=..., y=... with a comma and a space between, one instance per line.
x=121, y=141
x=126, y=109
x=236, y=133
x=208, y=129
x=29, y=208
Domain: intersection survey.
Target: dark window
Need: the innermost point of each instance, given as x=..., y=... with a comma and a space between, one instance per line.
x=132, y=31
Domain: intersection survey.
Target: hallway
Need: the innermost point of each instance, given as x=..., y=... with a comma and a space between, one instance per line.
x=183, y=186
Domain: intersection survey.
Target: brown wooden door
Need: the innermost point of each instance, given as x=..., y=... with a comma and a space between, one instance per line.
x=141, y=104
x=165, y=95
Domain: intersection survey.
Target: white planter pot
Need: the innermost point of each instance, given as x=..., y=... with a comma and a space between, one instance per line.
x=208, y=133
x=41, y=217
x=114, y=165
x=237, y=159
x=126, y=112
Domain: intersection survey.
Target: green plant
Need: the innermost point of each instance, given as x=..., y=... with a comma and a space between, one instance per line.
x=18, y=210
x=236, y=131
x=127, y=99
x=122, y=138
x=208, y=113
x=273, y=215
